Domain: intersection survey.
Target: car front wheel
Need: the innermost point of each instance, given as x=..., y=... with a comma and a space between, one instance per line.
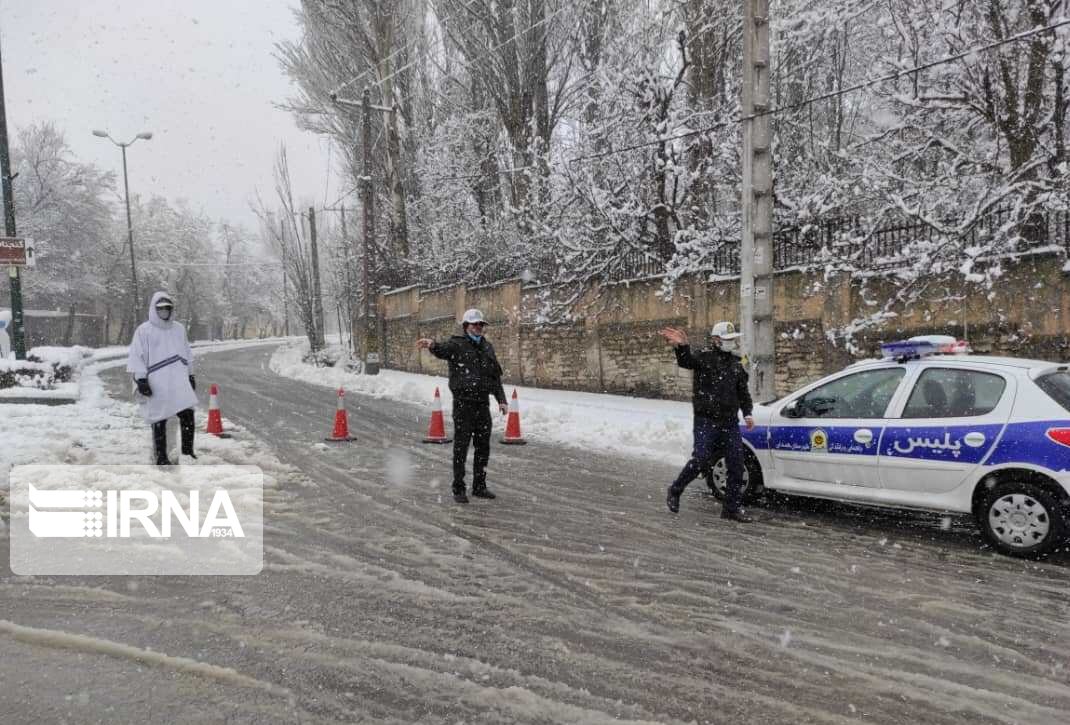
x=1023, y=519
x=717, y=479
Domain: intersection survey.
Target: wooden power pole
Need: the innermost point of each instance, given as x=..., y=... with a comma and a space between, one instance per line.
x=756, y=253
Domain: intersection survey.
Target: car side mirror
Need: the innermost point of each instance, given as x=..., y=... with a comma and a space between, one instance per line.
x=792, y=409
x=821, y=406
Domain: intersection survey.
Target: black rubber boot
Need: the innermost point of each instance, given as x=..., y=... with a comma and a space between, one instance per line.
x=185, y=423
x=672, y=500
x=159, y=442
x=483, y=493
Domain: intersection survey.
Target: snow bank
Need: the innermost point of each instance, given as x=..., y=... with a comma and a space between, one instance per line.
x=639, y=427
x=72, y=357
x=98, y=429
x=26, y=378
x=7, y=366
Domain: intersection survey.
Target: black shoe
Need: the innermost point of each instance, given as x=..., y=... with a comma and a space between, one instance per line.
x=164, y=461
x=739, y=516
x=672, y=500
x=483, y=493
x=191, y=454
x=460, y=497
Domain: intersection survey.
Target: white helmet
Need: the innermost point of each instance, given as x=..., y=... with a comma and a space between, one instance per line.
x=725, y=331
x=472, y=315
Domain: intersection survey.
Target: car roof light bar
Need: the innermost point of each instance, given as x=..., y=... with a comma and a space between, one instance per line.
x=923, y=346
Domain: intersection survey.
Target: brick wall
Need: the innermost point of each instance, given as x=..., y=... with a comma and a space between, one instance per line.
x=559, y=356
x=638, y=361
x=611, y=342
x=801, y=354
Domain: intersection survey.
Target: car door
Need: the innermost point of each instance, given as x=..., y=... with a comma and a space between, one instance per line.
x=831, y=433
x=949, y=423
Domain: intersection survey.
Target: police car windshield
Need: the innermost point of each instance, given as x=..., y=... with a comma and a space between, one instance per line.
x=1057, y=386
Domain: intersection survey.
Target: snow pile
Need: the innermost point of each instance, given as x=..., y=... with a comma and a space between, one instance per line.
x=71, y=357
x=47, y=372
x=640, y=427
x=98, y=429
x=19, y=378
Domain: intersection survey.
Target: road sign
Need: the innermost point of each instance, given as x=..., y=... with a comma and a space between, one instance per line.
x=12, y=252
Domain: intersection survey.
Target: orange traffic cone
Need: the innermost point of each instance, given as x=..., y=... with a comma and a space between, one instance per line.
x=436, y=432
x=512, y=425
x=215, y=418
x=340, y=434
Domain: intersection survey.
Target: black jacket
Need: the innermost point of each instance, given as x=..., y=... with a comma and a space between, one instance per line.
x=719, y=385
x=474, y=369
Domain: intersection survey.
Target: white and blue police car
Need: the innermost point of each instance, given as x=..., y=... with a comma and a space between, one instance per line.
x=928, y=427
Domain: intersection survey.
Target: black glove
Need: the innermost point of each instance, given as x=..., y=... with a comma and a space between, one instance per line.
x=143, y=387
x=192, y=382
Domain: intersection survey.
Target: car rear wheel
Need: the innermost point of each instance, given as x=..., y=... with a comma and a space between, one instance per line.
x=717, y=479
x=1023, y=519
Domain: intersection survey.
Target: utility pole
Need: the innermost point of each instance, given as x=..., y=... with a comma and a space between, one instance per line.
x=756, y=251
x=18, y=324
x=365, y=333
x=285, y=293
x=348, y=280
x=371, y=357
x=285, y=304
x=317, y=292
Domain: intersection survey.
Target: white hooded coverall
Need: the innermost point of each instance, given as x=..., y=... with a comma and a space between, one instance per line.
x=160, y=352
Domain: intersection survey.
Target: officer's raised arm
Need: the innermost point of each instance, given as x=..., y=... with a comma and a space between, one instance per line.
x=681, y=346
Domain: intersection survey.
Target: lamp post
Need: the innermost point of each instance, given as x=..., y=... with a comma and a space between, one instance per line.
x=129, y=224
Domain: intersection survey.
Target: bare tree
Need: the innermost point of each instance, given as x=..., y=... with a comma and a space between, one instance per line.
x=283, y=231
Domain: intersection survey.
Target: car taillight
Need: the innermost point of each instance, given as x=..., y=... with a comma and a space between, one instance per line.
x=1060, y=435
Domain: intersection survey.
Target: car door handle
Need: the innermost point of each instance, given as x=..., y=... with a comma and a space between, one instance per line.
x=863, y=436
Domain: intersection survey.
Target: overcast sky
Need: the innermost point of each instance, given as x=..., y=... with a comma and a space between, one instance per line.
x=199, y=74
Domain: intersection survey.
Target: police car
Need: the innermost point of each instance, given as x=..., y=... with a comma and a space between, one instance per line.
x=928, y=427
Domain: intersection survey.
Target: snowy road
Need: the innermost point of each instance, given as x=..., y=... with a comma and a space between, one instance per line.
x=574, y=597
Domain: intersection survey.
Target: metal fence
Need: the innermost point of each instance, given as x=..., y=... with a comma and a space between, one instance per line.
x=846, y=240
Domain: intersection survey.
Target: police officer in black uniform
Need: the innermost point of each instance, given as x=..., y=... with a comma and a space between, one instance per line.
x=719, y=394
x=474, y=376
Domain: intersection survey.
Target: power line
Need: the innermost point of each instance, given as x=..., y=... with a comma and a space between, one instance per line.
x=833, y=94
x=499, y=46
x=208, y=264
x=768, y=112
x=908, y=71
x=409, y=46
x=413, y=62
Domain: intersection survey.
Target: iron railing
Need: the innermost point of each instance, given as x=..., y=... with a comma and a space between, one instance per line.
x=845, y=240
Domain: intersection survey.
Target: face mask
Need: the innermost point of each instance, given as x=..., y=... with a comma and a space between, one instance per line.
x=730, y=345
x=164, y=313
x=475, y=338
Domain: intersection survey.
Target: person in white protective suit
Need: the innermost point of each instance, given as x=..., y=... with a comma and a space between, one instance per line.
x=161, y=363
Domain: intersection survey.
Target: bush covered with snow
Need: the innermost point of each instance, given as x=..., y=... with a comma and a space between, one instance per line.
x=65, y=361
x=326, y=358
x=27, y=374
x=44, y=367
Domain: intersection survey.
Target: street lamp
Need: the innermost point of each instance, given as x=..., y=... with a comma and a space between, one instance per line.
x=129, y=225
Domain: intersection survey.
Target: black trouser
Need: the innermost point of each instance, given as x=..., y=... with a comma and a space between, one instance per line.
x=471, y=421
x=159, y=435
x=712, y=437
